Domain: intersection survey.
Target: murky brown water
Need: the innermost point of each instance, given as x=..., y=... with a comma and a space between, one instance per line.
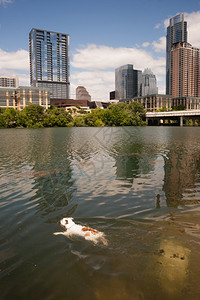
x=140, y=186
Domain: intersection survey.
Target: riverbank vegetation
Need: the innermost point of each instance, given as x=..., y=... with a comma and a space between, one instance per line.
x=34, y=116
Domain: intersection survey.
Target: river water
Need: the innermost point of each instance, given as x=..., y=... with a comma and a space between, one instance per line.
x=140, y=186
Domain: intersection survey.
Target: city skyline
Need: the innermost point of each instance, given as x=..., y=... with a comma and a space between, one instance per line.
x=103, y=36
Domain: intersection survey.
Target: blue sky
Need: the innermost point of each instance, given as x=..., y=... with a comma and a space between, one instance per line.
x=103, y=35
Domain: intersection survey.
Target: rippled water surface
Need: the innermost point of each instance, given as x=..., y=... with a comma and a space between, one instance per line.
x=140, y=186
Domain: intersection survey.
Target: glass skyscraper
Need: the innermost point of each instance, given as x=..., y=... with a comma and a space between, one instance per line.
x=176, y=32
x=49, y=62
x=149, y=84
x=127, y=82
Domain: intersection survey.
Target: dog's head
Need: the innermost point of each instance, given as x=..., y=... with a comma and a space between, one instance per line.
x=67, y=222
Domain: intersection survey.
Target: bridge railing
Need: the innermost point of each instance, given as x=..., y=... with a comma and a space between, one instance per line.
x=178, y=113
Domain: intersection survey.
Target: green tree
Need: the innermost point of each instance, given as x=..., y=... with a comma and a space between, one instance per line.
x=136, y=108
x=22, y=119
x=10, y=117
x=95, y=118
x=122, y=114
x=79, y=121
x=136, y=114
x=2, y=121
x=35, y=115
x=57, y=117
x=115, y=114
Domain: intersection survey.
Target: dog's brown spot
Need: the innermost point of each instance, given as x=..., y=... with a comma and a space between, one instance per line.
x=93, y=231
x=87, y=234
x=66, y=222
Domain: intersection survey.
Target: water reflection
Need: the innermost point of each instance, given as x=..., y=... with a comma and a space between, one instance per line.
x=182, y=169
x=53, y=191
x=52, y=174
x=179, y=159
x=132, y=165
x=158, y=201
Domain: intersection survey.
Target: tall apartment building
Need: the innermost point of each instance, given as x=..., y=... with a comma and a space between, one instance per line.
x=9, y=81
x=185, y=64
x=127, y=82
x=176, y=32
x=49, y=61
x=149, y=84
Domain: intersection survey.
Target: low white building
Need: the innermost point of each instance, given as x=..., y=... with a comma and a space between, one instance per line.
x=18, y=98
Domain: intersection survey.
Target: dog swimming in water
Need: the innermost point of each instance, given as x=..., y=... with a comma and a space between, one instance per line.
x=73, y=229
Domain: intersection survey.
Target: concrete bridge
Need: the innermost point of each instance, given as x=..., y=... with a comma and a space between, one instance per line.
x=159, y=118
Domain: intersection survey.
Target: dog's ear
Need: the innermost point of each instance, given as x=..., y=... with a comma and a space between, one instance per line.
x=71, y=219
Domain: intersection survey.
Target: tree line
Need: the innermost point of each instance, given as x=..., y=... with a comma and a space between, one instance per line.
x=35, y=116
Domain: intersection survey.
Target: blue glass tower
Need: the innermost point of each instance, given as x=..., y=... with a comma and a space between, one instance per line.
x=127, y=82
x=49, y=62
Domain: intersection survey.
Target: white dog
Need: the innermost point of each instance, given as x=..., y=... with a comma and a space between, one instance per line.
x=89, y=234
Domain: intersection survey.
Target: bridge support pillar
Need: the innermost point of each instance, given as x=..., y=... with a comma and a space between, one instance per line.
x=181, y=121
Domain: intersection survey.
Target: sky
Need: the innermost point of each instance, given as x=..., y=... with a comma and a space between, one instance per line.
x=104, y=35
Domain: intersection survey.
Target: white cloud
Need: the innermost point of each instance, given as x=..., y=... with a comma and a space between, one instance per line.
x=161, y=89
x=24, y=79
x=145, y=44
x=95, y=57
x=18, y=60
x=193, y=22
x=15, y=63
x=160, y=46
x=157, y=26
x=166, y=23
x=4, y=2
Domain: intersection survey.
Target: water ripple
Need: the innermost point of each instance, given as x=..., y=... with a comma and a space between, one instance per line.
x=140, y=186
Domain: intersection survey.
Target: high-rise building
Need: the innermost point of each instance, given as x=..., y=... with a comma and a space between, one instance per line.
x=176, y=32
x=127, y=82
x=49, y=61
x=149, y=85
x=82, y=93
x=9, y=81
x=185, y=64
